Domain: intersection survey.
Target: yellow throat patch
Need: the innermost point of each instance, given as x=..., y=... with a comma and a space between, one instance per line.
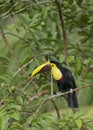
x=56, y=72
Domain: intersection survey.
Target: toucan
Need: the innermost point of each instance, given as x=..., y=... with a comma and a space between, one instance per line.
x=65, y=81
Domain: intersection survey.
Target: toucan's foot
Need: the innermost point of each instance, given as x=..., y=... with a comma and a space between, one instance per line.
x=71, y=90
x=58, y=93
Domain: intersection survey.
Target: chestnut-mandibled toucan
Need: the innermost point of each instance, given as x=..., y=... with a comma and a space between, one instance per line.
x=64, y=79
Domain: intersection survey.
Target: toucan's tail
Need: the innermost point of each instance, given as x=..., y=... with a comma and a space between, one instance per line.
x=72, y=100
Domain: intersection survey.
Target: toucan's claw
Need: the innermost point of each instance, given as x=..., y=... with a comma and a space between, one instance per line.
x=44, y=67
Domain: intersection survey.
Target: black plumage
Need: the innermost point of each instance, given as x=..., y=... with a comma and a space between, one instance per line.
x=66, y=84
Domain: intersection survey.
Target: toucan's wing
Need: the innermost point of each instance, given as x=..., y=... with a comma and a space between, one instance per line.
x=70, y=79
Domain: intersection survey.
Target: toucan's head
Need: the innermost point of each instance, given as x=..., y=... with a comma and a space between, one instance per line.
x=51, y=65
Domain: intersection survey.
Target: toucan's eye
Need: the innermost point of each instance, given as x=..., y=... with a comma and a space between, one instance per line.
x=52, y=65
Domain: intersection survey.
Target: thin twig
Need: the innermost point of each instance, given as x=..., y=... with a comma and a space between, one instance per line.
x=20, y=69
x=57, y=112
x=30, y=4
x=29, y=62
x=43, y=92
x=56, y=108
x=17, y=36
x=9, y=46
x=64, y=36
x=37, y=111
x=10, y=9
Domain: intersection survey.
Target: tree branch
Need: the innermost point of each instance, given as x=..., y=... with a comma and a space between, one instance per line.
x=65, y=93
x=17, y=36
x=30, y=62
x=9, y=46
x=57, y=95
x=20, y=69
x=64, y=36
x=57, y=111
x=43, y=92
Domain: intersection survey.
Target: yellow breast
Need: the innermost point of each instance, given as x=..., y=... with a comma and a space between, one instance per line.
x=56, y=73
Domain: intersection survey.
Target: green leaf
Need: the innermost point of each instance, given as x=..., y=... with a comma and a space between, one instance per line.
x=17, y=126
x=47, y=117
x=70, y=1
x=78, y=123
x=61, y=58
x=35, y=25
x=14, y=106
x=5, y=78
x=78, y=65
x=15, y=115
x=70, y=59
x=4, y=121
x=4, y=60
x=86, y=61
x=44, y=12
x=79, y=2
x=20, y=100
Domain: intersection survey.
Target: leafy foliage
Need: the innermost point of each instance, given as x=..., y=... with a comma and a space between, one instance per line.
x=74, y=121
x=33, y=31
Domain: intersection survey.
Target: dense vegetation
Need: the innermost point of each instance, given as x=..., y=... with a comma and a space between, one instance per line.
x=32, y=33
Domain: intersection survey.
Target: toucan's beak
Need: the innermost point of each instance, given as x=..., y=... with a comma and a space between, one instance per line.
x=44, y=67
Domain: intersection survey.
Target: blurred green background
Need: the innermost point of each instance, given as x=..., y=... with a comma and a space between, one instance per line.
x=30, y=35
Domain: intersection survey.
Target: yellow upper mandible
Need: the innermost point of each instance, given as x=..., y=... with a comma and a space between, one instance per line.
x=37, y=70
